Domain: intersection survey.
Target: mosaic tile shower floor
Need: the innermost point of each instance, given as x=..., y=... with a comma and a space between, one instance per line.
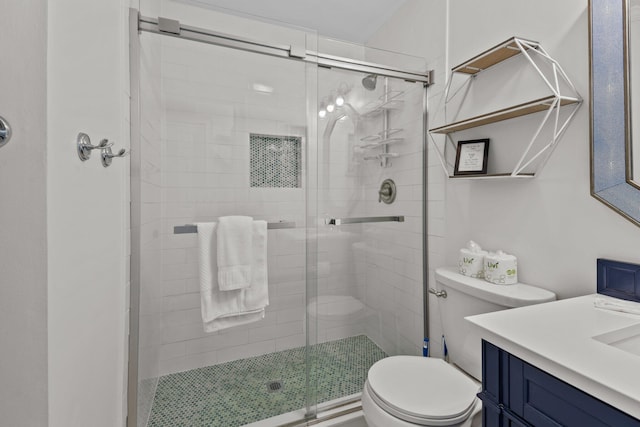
x=235, y=393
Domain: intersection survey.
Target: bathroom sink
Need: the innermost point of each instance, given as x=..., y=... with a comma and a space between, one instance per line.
x=626, y=339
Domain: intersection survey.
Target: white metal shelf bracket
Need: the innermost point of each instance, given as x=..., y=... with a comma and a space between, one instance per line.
x=554, y=80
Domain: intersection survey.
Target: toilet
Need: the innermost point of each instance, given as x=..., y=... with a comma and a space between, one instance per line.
x=404, y=391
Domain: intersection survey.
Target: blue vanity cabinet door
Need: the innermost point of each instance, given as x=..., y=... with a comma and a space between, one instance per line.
x=491, y=394
x=492, y=414
x=495, y=389
x=528, y=396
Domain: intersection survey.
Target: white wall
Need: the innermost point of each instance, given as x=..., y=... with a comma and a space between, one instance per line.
x=551, y=223
x=86, y=213
x=23, y=228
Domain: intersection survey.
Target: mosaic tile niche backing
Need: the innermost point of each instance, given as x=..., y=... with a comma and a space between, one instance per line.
x=276, y=161
x=243, y=391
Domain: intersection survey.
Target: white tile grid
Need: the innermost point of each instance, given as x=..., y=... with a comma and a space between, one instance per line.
x=205, y=174
x=193, y=194
x=339, y=187
x=387, y=258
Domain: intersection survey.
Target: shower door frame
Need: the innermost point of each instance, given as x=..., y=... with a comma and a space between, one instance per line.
x=173, y=28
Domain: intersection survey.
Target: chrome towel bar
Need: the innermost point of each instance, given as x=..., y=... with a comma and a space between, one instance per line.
x=364, y=219
x=192, y=228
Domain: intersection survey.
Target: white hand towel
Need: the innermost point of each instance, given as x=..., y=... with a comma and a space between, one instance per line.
x=225, y=309
x=617, y=305
x=235, y=239
x=257, y=295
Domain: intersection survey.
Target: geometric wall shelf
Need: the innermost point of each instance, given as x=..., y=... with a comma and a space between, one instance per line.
x=553, y=78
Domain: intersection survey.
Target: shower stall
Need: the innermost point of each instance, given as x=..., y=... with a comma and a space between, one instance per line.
x=328, y=148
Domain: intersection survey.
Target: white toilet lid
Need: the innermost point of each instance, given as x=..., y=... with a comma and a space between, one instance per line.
x=422, y=390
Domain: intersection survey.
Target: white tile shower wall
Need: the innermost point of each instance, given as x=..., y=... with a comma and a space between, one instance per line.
x=338, y=188
x=376, y=265
x=393, y=253
x=419, y=28
x=209, y=110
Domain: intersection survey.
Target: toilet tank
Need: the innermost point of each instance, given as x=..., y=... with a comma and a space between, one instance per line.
x=467, y=296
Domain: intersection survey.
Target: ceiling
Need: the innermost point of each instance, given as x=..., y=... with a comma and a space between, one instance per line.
x=349, y=20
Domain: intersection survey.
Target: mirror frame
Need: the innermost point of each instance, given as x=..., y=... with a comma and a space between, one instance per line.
x=611, y=181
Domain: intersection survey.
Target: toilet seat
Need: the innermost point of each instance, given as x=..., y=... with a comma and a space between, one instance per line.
x=422, y=390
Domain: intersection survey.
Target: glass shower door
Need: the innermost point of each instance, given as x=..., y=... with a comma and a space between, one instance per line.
x=223, y=132
x=370, y=259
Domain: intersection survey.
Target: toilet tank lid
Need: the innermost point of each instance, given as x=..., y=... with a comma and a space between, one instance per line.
x=516, y=295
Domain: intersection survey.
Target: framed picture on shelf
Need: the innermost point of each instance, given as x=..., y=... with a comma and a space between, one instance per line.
x=471, y=157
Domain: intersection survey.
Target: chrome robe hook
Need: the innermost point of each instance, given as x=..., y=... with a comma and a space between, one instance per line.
x=84, y=146
x=108, y=156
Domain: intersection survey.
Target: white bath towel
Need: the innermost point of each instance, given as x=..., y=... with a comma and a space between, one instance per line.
x=235, y=240
x=225, y=309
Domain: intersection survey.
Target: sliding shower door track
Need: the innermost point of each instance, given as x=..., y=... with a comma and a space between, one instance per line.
x=174, y=28
x=330, y=412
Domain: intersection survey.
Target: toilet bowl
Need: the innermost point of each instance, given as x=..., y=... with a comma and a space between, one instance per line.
x=403, y=391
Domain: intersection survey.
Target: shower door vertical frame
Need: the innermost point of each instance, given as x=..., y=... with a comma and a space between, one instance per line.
x=311, y=234
x=425, y=209
x=135, y=220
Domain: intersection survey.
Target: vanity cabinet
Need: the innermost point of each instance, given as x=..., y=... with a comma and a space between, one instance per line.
x=517, y=394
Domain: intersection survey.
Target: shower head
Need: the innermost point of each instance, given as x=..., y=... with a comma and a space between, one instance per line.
x=369, y=82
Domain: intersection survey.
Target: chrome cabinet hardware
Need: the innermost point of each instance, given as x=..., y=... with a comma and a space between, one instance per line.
x=5, y=132
x=83, y=144
x=107, y=155
x=439, y=294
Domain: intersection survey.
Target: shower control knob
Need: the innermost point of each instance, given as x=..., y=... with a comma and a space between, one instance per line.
x=387, y=192
x=5, y=131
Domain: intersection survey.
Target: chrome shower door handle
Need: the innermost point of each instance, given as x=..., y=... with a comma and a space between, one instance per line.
x=5, y=131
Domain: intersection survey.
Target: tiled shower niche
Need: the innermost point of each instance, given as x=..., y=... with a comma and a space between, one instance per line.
x=275, y=161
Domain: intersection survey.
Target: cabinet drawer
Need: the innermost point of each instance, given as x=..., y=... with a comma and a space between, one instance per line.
x=548, y=401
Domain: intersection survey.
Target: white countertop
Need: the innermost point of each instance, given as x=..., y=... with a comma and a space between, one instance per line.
x=557, y=337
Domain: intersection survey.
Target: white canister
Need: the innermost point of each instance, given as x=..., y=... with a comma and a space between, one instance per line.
x=501, y=268
x=471, y=260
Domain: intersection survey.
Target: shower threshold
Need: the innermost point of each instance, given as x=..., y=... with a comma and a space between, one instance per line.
x=327, y=411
